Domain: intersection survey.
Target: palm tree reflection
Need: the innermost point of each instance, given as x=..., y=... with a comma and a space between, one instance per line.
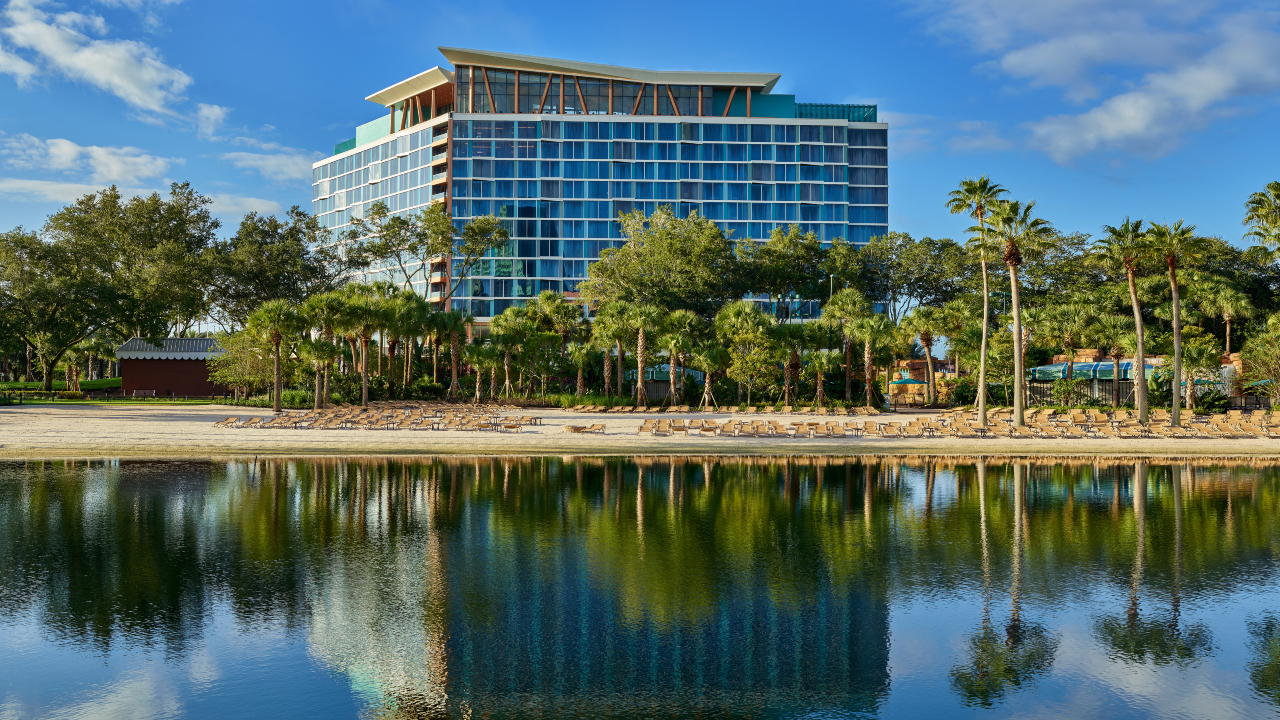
x=1137, y=640
x=1264, y=667
x=1000, y=665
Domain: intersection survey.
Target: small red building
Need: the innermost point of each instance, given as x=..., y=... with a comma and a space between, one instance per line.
x=177, y=367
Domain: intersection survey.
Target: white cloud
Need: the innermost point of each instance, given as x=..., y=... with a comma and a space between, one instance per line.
x=1153, y=69
x=280, y=167
x=240, y=205
x=978, y=136
x=21, y=70
x=209, y=118
x=146, y=8
x=63, y=43
x=58, y=192
x=104, y=165
x=1149, y=119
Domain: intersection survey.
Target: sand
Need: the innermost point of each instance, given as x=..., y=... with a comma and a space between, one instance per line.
x=139, y=431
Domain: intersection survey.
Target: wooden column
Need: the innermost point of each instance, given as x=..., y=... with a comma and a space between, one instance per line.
x=729, y=103
x=433, y=104
x=560, y=109
x=542, y=102
x=748, y=102
x=674, y=107
x=699, y=101
x=471, y=88
x=494, y=108
x=393, y=118
x=582, y=102
x=611, y=97
x=517, y=95
x=635, y=109
x=655, y=99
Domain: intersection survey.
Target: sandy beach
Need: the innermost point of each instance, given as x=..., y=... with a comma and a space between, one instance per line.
x=66, y=431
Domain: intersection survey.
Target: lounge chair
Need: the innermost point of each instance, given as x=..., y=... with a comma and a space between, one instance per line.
x=596, y=428
x=227, y=423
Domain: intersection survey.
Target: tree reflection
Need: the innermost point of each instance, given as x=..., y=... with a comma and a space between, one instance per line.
x=1003, y=663
x=1137, y=640
x=1264, y=666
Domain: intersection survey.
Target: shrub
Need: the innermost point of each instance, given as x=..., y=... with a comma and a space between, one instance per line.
x=1212, y=402
x=70, y=395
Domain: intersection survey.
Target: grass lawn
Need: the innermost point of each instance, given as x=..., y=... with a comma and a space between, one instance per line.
x=85, y=385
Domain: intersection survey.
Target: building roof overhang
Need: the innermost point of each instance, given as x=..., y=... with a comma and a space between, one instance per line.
x=763, y=82
x=169, y=349
x=416, y=85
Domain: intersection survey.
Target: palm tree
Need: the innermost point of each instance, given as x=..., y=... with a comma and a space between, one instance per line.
x=841, y=309
x=363, y=316
x=954, y=318
x=643, y=319
x=453, y=323
x=679, y=328
x=976, y=197
x=1224, y=301
x=1069, y=326
x=872, y=331
x=1262, y=214
x=611, y=323
x=320, y=353
x=324, y=312
x=275, y=320
x=505, y=335
x=558, y=313
x=821, y=362
x=1111, y=332
x=710, y=358
x=1022, y=234
x=1174, y=244
x=793, y=339
x=581, y=354
x=925, y=323
x=1124, y=247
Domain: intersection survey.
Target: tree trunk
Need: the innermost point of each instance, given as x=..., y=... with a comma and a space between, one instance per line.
x=622, y=390
x=671, y=380
x=1175, y=417
x=1139, y=373
x=608, y=372
x=435, y=360
x=506, y=373
x=786, y=381
x=493, y=381
x=642, y=396
x=866, y=369
x=848, y=370
x=453, y=364
x=364, y=372
x=821, y=382
x=29, y=377
x=324, y=399
x=1019, y=374
x=319, y=381
x=982, y=352
x=391, y=368
x=582, y=381
x=931, y=387
x=279, y=381
x=1115, y=378
x=1227, y=320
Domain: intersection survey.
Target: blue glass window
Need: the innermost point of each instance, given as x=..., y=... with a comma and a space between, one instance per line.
x=574, y=189
x=868, y=176
x=868, y=214
x=550, y=150
x=575, y=169
x=868, y=196
x=868, y=138
x=863, y=156
x=598, y=189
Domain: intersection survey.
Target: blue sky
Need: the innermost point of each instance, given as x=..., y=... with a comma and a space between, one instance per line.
x=1096, y=109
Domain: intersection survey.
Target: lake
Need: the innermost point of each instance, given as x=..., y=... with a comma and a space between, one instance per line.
x=769, y=587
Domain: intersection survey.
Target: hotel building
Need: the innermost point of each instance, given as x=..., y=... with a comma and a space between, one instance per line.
x=558, y=149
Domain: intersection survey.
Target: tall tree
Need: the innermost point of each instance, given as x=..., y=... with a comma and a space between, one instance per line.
x=788, y=267
x=1124, y=247
x=680, y=330
x=406, y=245
x=1175, y=244
x=1069, y=326
x=844, y=307
x=1262, y=216
x=1111, y=333
x=926, y=324
x=872, y=332
x=644, y=320
x=975, y=197
x=668, y=262
x=1022, y=234
x=453, y=324
x=275, y=321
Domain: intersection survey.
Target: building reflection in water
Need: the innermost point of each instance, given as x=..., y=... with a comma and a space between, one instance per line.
x=640, y=586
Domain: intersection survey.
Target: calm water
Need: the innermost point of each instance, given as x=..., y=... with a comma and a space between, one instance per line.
x=640, y=587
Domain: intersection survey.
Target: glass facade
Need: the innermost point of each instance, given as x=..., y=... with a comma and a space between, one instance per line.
x=559, y=184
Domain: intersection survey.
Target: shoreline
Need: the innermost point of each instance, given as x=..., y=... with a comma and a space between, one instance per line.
x=137, y=432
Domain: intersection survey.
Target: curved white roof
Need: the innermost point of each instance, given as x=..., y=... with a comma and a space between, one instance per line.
x=763, y=82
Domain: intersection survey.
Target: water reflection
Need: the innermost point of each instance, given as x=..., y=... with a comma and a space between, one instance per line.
x=640, y=586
